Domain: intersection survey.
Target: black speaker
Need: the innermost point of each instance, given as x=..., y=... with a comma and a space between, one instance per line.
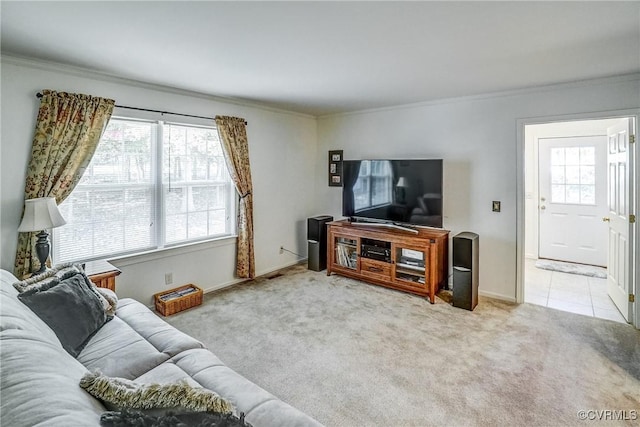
x=465, y=270
x=317, y=241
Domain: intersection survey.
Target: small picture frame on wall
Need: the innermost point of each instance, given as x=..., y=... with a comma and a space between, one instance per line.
x=335, y=168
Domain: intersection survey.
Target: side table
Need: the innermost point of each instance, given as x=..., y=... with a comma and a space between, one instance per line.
x=102, y=273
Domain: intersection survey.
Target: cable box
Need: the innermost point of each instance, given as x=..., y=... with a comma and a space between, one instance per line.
x=376, y=252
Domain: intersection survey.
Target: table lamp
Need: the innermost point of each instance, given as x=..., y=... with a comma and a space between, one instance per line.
x=400, y=189
x=39, y=215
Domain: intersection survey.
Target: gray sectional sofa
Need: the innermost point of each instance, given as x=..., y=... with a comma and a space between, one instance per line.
x=40, y=380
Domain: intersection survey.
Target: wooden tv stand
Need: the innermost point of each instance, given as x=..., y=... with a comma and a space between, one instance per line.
x=391, y=257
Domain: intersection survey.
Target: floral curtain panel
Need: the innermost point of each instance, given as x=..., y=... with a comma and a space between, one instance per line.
x=233, y=135
x=67, y=133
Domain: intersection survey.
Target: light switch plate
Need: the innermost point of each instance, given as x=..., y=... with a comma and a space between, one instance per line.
x=496, y=206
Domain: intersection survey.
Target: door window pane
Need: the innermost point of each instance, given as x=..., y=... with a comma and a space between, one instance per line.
x=573, y=175
x=557, y=175
x=557, y=193
x=587, y=155
x=588, y=175
x=557, y=156
x=572, y=194
x=572, y=156
x=587, y=194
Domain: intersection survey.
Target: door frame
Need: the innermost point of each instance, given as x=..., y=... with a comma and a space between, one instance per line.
x=520, y=196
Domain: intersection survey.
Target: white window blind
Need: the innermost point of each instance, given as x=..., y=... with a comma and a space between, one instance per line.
x=196, y=184
x=149, y=185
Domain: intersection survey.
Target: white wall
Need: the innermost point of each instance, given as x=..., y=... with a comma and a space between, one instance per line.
x=282, y=149
x=477, y=138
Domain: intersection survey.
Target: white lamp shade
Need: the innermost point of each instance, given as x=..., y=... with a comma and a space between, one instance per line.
x=402, y=182
x=41, y=214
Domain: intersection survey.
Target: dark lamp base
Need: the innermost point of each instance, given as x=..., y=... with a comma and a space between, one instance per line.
x=42, y=250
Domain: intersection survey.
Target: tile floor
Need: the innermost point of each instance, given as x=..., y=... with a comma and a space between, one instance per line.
x=569, y=292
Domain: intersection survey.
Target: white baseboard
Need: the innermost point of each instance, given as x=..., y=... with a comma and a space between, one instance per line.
x=223, y=285
x=304, y=260
x=258, y=274
x=283, y=266
x=496, y=296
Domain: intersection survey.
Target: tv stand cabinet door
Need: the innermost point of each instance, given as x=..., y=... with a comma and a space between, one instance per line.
x=344, y=253
x=411, y=266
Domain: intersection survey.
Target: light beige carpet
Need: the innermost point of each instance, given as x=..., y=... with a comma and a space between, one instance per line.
x=353, y=354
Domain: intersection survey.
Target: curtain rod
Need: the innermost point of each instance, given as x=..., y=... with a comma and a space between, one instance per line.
x=39, y=95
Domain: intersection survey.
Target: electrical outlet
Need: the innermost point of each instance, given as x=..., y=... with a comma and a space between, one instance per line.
x=281, y=250
x=168, y=278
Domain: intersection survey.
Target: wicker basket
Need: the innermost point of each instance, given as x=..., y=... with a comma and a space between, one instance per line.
x=172, y=305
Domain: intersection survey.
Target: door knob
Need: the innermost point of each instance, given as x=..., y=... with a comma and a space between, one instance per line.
x=542, y=199
x=543, y=207
x=606, y=219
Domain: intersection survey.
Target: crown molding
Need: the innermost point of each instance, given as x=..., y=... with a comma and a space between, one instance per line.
x=492, y=95
x=114, y=78
x=23, y=61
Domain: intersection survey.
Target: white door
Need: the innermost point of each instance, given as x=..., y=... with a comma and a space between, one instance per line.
x=619, y=218
x=573, y=199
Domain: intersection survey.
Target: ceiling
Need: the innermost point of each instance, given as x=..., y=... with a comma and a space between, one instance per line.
x=327, y=57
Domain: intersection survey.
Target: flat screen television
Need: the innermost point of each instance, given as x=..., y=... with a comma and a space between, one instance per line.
x=393, y=191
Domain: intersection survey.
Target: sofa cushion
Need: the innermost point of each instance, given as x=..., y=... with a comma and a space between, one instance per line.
x=134, y=342
x=118, y=350
x=260, y=407
x=121, y=393
x=70, y=308
x=39, y=383
x=159, y=333
x=166, y=372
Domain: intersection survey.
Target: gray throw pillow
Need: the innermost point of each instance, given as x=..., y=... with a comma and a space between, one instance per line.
x=58, y=273
x=70, y=308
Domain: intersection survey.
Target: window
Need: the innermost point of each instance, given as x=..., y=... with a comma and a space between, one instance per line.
x=573, y=178
x=149, y=185
x=374, y=184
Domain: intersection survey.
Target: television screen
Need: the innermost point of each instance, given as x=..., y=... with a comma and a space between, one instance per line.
x=397, y=191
